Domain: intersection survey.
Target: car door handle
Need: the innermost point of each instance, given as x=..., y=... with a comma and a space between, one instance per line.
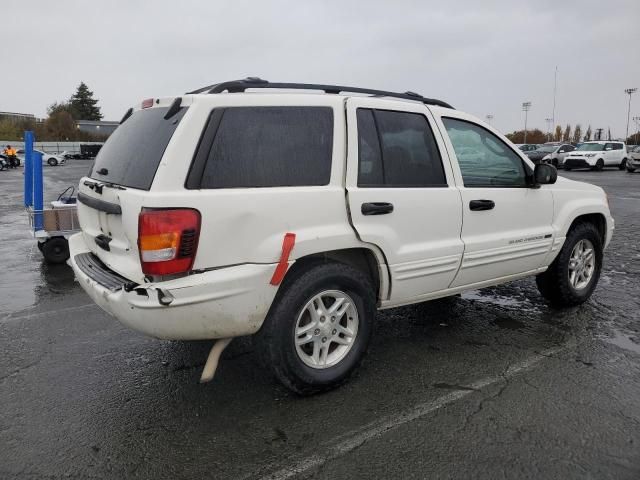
x=376, y=208
x=477, y=205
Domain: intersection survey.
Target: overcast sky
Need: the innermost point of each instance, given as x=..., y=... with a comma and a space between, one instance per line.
x=483, y=57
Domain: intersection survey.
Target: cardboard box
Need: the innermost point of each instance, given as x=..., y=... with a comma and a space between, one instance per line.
x=59, y=220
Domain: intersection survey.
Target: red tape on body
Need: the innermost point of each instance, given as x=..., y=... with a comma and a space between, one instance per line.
x=287, y=245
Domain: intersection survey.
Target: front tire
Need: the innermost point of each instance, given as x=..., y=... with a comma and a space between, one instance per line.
x=319, y=327
x=52, y=162
x=572, y=277
x=630, y=169
x=599, y=165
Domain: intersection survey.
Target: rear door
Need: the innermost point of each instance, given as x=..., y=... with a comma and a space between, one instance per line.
x=506, y=224
x=402, y=196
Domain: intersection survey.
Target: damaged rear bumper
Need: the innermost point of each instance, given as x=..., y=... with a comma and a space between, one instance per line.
x=222, y=303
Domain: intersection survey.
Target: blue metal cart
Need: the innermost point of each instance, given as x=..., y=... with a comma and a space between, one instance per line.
x=51, y=226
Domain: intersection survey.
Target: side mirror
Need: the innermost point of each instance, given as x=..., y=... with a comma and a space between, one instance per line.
x=544, y=174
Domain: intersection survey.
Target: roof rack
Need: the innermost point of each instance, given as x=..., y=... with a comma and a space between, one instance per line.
x=235, y=86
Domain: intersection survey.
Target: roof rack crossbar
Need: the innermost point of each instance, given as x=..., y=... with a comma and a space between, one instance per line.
x=236, y=86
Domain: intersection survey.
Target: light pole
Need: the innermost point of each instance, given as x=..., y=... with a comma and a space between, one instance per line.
x=489, y=118
x=525, y=108
x=549, y=123
x=555, y=88
x=629, y=91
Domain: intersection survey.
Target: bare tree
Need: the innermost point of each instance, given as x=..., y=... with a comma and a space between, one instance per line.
x=577, y=133
x=557, y=136
x=567, y=134
x=587, y=136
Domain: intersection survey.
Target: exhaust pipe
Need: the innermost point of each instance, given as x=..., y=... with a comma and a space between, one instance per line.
x=211, y=365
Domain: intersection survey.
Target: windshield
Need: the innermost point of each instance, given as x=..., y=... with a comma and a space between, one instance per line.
x=547, y=148
x=591, y=147
x=133, y=152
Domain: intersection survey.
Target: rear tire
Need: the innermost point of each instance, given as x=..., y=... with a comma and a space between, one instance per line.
x=291, y=333
x=56, y=250
x=556, y=285
x=623, y=164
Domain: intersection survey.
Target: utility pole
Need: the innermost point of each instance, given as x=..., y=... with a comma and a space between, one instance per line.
x=525, y=108
x=549, y=123
x=636, y=120
x=629, y=91
x=489, y=118
x=555, y=88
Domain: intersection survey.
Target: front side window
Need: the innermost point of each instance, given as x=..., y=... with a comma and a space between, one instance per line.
x=270, y=147
x=484, y=159
x=397, y=149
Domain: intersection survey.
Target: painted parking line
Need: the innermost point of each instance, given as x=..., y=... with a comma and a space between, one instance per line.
x=354, y=439
x=11, y=318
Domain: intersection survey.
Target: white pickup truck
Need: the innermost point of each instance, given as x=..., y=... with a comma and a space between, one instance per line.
x=295, y=215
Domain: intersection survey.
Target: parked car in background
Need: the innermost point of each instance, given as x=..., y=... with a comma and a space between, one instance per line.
x=539, y=153
x=597, y=155
x=527, y=147
x=70, y=155
x=556, y=157
x=633, y=158
x=48, y=158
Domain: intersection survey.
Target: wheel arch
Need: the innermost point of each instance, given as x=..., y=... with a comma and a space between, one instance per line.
x=368, y=261
x=597, y=219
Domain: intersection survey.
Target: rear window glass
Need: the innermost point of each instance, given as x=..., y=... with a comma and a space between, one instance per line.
x=270, y=147
x=131, y=155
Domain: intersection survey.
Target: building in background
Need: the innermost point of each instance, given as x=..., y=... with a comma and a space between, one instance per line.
x=17, y=117
x=97, y=127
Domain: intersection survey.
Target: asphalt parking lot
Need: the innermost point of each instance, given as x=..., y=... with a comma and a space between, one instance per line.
x=493, y=384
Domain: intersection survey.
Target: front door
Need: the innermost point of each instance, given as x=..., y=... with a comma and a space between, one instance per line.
x=506, y=224
x=402, y=196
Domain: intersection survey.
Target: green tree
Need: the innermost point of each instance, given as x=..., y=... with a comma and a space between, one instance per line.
x=557, y=136
x=587, y=136
x=567, y=134
x=84, y=105
x=57, y=107
x=533, y=136
x=577, y=133
x=60, y=126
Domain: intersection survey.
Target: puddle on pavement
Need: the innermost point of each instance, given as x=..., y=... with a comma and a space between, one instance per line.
x=500, y=300
x=622, y=340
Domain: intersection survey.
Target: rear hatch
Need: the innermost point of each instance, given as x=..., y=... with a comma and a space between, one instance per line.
x=112, y=196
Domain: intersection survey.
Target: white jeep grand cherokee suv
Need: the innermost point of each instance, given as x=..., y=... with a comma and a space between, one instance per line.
x=294, y=216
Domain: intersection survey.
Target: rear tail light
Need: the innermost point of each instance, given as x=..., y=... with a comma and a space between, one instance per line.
x=168, y=240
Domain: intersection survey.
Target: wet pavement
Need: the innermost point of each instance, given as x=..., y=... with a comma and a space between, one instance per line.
x=493, y=384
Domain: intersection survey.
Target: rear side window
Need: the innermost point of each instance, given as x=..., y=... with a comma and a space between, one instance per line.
x=397, y=149
x=266, y=147
x=131, y=155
